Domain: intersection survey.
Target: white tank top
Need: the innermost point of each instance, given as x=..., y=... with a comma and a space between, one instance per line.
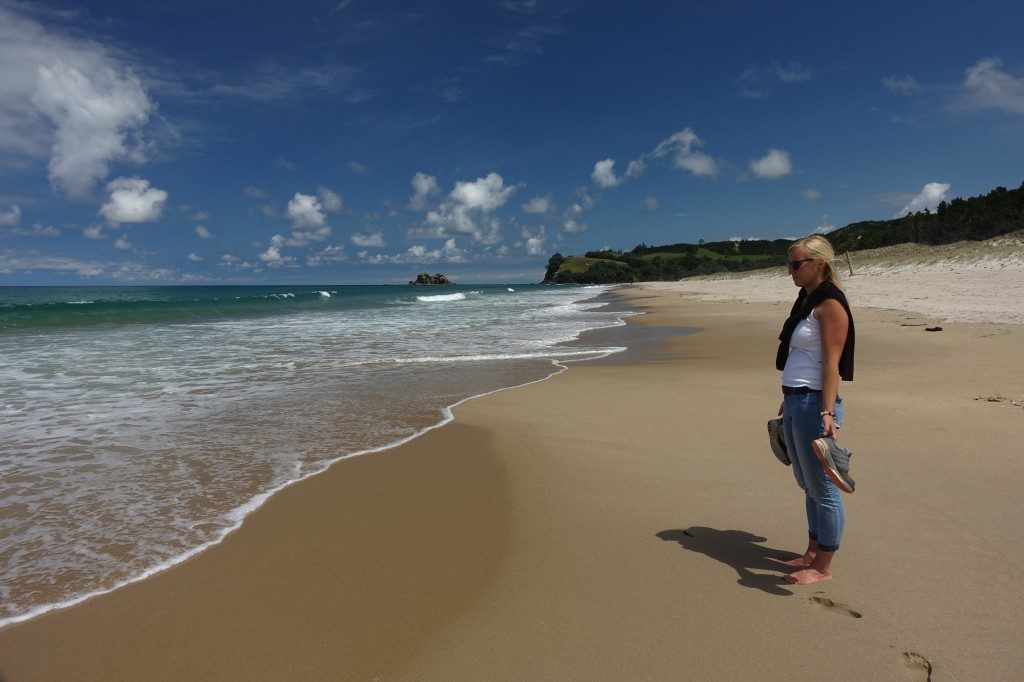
x=803, y=365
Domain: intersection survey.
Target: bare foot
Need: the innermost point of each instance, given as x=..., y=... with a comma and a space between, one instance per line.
x=799, y=562
x=808, y=576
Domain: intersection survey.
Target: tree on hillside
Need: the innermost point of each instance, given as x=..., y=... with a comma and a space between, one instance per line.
x=554, y=263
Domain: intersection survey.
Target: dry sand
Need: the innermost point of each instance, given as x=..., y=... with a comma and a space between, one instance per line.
x=962, y=282
x=617, y=522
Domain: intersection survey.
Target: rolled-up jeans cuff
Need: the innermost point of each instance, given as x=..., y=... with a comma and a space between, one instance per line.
x=825, y=548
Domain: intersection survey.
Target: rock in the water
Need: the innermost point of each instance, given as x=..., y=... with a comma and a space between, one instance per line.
x=427, y=278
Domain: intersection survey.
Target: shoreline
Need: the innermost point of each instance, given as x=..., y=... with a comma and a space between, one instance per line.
x=238, y=515
x=599, y=520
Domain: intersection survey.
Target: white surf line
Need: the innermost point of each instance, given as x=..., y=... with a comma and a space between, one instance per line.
x=239, y=514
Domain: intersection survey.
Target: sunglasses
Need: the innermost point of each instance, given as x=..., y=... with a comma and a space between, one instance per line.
x=795, y=264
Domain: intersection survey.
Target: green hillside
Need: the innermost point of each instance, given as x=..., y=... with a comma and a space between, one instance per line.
x=578, y=264
x=976, y=218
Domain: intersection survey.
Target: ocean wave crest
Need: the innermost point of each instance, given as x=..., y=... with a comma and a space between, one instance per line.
x=440, y=298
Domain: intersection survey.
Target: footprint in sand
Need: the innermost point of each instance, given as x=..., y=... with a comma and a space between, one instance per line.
x=917, y=666
x=829, y=605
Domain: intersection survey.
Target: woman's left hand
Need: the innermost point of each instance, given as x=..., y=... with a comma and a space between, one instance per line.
x=830, y=427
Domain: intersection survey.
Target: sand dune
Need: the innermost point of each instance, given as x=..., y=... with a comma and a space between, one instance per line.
x=962, y=282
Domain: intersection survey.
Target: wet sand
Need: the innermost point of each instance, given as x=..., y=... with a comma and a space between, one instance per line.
x=617, y=521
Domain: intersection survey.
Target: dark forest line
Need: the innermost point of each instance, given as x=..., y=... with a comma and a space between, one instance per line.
x=976, y=218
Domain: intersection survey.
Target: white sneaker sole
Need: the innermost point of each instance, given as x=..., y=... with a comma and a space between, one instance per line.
x=820, y=447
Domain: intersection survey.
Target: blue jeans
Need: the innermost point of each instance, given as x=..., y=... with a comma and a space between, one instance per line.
x=801, y=424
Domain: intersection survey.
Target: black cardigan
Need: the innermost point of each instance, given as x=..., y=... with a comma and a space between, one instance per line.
x=801, y=308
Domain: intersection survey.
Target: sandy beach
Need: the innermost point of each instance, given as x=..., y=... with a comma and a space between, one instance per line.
x=620, y=520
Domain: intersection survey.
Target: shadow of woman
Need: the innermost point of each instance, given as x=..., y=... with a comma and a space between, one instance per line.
x=736, y=548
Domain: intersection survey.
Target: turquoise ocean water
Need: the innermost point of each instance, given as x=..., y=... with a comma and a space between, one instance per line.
x=139, y=425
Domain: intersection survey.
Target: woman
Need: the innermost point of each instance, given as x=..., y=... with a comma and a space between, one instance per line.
x=816, y=350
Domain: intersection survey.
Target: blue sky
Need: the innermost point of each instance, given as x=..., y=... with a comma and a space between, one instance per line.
x=362, y=142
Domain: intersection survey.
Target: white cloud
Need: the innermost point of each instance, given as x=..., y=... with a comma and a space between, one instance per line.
x=203, y=232
x=649, y=203
x=466, y=210
x=825, y=226
x=682, y=146
x=326, y=256
x=123, y=244
x=929, y=197
x=902, y=85
x=987, y=86
x=812, y=194
x=230, y=260
x=418, y=254
x=68, y=97
x=368, y=239
x=539, y=205
x=94, y=232
x=604, y=174
x=92, y=115
x=255, y=192
x=485, y=194
x=194, y=257
x=573, y=225
x=358, y=168
x=446, y=88
x=698, y=163
x=757, y=78
x=309, y=224
x=30, y=261
x=571, y=219
x=11, y=216
x=586, y=200
x=200, y=216
x=452, y=252
x=331, y=202
x=273, y=257
x=793, y=72
x=773, y=165
x=132, y=200
x=636, y=167
x=424, y=186
x=273, y=82
x=137, y=272
x=37, y=230
x=534, y=243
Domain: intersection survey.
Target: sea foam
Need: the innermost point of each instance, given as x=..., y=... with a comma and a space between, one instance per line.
x=440, y=298
x=158, y=439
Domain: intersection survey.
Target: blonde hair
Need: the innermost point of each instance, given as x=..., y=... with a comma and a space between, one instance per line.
x=817, y=247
